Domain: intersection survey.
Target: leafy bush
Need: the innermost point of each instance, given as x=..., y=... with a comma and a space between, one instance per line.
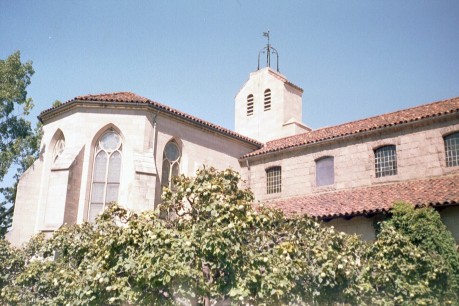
x=209, y=243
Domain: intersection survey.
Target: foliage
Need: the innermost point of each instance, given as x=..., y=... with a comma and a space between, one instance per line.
x=19, y=143
x=425, y=229
x=397, y=272
x=209, y=243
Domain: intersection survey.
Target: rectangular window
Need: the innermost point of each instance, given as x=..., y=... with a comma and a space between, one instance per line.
x=385, y=161
x=273, y=180
x=452, y=150
x=325, y=171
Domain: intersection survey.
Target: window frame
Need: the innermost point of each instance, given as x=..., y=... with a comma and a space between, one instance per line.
x=320, y=167
x=451, y=144
x=385, y=164
x=59, y=147
x=274, y=180
x=107, y=182
x=172, y=164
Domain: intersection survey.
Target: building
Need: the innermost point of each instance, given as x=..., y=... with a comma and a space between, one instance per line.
x=123, y=147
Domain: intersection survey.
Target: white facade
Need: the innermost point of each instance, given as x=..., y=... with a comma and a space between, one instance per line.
x=277, y=107
x=52, y=193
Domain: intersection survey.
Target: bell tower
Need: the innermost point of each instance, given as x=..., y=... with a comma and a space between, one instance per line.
x=268, y=106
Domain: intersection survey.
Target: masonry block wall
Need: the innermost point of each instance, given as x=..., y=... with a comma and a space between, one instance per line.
x=420, y=154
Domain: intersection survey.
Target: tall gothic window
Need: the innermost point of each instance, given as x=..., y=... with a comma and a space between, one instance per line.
x=250, y=105
x=452, y=149
x=171, y=163
x=273, y=180
x=386, y=161
x=58, y=148
x=106, y=173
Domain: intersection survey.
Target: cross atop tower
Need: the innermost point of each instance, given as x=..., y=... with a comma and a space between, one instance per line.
x=268, y=50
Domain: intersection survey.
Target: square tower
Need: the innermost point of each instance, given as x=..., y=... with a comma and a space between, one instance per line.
x=268, y=107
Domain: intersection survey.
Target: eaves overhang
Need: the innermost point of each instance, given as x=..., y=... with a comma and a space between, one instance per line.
x=147, y=105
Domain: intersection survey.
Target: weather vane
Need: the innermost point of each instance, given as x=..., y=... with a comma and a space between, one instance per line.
x=269, y=50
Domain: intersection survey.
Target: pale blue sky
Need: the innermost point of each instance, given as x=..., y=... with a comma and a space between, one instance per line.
x=353, y=59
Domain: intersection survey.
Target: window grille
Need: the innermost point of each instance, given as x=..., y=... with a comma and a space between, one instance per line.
x=452, y=150
x=273, y=180
x=106, y=173
x=249, y=105
x=325, y=171
x=386, y=161
x=267, y=99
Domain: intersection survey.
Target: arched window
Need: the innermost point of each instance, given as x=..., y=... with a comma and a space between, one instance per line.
x=325, y=171
x=452, y=149
x=106, y=172
x=250, y=105
x=58, y=148
x=267, y=103
x=171, y=163
x=273, y=180
x=386, y=161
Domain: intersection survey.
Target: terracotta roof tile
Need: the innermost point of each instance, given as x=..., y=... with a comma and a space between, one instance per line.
x=378, y=198
x=378, y=122
x=129, y=97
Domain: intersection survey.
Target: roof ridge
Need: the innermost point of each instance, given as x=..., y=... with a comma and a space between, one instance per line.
x=129, y=97
x=431, y=191
x=360, y=125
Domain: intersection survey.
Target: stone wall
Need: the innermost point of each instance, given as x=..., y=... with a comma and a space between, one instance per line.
x=420, y=154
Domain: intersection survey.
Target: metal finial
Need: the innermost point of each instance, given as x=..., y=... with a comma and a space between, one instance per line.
x=269, y=50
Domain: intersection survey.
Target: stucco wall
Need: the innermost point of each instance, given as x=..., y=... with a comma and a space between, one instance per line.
x=25, y=210
x=286, y=104
x=361, y=226
x=450, y=217
x=61, y=188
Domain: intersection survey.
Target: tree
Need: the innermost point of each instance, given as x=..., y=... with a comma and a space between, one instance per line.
x=19, y=143
x=425, y=229
x=208, y=243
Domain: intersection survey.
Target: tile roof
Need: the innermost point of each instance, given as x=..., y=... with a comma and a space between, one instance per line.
x=129, y=97
x=439, y=191
x=373, y=123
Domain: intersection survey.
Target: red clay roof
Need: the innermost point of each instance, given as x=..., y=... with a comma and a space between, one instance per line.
x=373, y=123
x=439, y=191
x=129, y=97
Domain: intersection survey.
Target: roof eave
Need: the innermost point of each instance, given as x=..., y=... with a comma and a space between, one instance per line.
x=147, y=105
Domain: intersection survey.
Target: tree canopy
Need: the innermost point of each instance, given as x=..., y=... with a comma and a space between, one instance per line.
x=19, y=142
x=209, y=243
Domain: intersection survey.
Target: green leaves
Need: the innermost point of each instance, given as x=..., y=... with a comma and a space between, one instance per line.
x=19, y=144
x=214, y=246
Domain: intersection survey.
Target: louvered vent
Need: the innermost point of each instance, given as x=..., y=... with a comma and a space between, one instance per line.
x=249, y=105
x=267, y=99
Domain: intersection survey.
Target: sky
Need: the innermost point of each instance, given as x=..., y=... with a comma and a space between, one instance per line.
x=354, y=59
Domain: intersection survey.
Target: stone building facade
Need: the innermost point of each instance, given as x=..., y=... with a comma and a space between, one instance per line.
x=123, y=147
